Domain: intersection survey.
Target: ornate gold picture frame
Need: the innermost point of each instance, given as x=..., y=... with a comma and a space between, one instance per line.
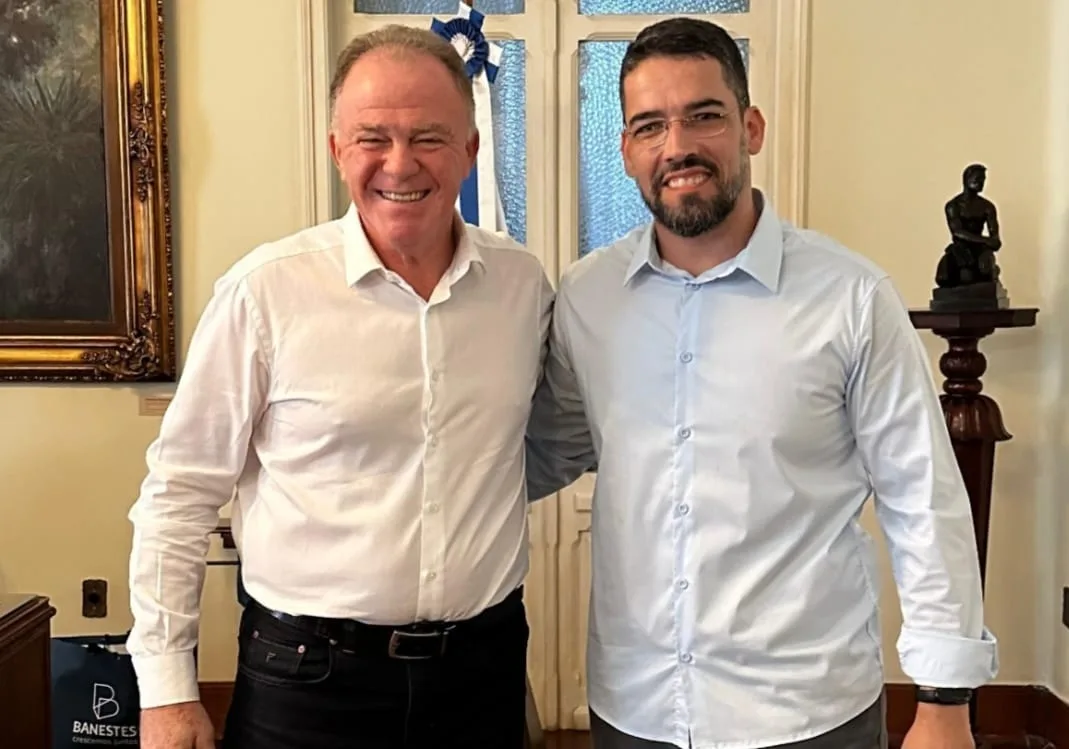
x=86, y=274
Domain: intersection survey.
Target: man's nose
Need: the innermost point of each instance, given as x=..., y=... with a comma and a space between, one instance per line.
x=400, y=161
x=677, y=142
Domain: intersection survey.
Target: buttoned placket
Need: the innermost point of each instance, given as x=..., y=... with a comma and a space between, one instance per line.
x=684, y=368
x=435, y=457
x=432, y=518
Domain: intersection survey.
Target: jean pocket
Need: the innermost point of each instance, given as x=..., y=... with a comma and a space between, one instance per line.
x=293, y=659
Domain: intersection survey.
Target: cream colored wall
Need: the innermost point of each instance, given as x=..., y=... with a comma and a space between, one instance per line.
x=1051, y=550
x=890, y=131
x=71, y=459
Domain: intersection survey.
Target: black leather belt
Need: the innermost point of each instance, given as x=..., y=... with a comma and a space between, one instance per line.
x=419, y=641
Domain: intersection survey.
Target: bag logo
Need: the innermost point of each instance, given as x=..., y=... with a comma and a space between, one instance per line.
x=104, y=703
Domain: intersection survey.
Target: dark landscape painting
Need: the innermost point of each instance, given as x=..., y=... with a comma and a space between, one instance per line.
x=54, y=260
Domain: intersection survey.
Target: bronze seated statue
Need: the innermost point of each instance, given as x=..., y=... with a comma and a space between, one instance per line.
x=967, y=276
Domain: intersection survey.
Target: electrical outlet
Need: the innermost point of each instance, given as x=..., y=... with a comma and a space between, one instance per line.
x=94, y=599
x=1065, y=606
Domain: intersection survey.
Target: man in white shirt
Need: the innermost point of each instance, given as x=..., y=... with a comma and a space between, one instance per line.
x=744, y=386
x=362, y=388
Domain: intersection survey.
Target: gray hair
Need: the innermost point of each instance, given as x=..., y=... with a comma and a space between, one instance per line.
x=403, y=39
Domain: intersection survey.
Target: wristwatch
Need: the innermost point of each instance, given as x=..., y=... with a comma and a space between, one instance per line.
x=943, y=695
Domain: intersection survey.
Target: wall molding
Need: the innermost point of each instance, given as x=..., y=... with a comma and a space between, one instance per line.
x=790, y=147
x=314, y=70
x=1050, y=557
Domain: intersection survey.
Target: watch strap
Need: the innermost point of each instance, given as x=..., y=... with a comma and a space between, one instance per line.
x=943, y=695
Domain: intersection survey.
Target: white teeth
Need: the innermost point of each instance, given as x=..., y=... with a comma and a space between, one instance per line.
x=404, y=197
x=691, y=181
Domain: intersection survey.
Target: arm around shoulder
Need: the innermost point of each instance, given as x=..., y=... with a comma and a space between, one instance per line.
x=920, y=500
x=559, y=443
x=193, y=466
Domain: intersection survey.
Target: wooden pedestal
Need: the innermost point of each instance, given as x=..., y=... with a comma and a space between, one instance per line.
x=25, y=672
x=973, y=419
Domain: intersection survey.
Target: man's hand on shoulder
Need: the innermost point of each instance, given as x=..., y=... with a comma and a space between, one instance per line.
x=182, y=726
x=940, y=727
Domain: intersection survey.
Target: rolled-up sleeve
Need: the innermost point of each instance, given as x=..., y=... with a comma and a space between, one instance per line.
x=920, y=500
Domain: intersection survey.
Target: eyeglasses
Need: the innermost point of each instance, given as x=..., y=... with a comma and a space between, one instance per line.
x=654, y=133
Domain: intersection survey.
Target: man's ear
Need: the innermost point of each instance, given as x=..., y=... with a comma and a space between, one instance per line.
x=754, y=123
x=473, y=148
x=335, y=156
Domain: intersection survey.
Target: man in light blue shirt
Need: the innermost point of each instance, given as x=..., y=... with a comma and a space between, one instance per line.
x=743, y=387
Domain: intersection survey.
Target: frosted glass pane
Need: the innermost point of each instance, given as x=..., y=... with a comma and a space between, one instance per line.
x=610, y=204
x=436, y=7
x=659, y=7
x=508, y=93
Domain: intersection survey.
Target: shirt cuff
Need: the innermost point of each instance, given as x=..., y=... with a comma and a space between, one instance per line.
x=166, y=679
x=938, y=659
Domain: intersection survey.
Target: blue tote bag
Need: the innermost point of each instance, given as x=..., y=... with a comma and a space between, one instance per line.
x=95, y=700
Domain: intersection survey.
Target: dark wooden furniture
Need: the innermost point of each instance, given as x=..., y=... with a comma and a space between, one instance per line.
x=533, y=737
x=25, y=672
x=973, y=419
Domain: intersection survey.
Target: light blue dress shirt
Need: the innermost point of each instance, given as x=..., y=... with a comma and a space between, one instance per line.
x=739, y=421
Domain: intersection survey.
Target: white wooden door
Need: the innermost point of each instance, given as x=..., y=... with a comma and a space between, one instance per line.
x=564, y=193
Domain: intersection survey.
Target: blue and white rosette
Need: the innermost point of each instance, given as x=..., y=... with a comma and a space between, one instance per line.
x=479, y=202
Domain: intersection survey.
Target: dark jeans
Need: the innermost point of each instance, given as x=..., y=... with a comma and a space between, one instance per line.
x=296, y=690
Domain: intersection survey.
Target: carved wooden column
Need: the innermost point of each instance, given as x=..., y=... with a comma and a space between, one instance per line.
x=973, y=419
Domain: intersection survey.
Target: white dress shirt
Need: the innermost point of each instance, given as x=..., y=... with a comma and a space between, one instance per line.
x=374, y=440
x=739, y=421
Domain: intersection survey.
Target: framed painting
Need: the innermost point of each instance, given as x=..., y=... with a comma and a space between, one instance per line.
x=86, y=273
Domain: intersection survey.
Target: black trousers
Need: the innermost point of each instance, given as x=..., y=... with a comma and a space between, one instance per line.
x=297, y=689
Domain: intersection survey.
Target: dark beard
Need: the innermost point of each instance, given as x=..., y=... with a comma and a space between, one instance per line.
x=696, y=215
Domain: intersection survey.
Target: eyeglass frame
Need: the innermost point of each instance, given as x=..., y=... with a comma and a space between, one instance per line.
x=658, y=141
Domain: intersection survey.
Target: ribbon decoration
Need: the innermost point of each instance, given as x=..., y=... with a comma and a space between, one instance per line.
x=479, y=202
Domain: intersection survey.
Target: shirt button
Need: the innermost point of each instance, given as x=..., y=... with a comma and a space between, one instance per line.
x=684, y=432
x=431, y=575
x=686, y=657
x=432, y=507
x=435, y=375
x=683, y=584
x=433, y=441
x=686, y=357
x=684, y=509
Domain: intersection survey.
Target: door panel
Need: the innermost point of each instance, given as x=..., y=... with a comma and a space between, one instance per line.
x=574, y=586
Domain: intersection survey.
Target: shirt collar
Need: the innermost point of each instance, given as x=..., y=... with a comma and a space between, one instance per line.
x=361, y=258
x=761, y=258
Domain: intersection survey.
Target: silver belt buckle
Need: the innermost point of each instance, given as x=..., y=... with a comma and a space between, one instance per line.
x=399, y=637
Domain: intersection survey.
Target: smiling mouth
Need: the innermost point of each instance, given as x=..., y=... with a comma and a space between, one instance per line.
x=403, y=197
x=687, y=180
